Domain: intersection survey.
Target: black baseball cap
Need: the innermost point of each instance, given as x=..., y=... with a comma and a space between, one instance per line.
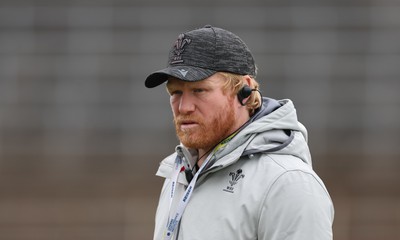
x=202, y=52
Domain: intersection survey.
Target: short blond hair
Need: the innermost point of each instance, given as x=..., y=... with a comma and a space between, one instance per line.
x=235, y=82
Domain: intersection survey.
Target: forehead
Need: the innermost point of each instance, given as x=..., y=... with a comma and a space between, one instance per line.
x=214, y=80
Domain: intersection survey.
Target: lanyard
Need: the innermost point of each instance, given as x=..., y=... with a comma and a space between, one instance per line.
x=176, y=217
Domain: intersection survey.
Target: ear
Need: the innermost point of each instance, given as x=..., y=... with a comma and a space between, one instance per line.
x=247, y=82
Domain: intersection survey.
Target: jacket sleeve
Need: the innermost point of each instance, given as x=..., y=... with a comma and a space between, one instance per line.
x=296, y=207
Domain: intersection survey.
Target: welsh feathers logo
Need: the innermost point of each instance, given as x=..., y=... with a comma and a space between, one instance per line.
x=180, y=44
x=234, y=178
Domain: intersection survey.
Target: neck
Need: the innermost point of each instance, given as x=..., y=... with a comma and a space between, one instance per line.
x=202, y=156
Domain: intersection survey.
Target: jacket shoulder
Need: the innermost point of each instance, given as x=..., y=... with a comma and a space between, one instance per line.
x=286, y=162
x=277, y=170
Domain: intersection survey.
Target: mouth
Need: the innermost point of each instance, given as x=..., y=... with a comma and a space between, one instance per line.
x=187, y=124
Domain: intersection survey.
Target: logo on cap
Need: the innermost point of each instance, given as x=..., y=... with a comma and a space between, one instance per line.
x=180, y=44
x=183, y=72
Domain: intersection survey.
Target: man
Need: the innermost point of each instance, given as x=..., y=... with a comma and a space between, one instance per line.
x=243, y=168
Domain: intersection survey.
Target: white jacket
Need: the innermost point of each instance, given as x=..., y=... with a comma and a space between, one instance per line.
x=260, y=186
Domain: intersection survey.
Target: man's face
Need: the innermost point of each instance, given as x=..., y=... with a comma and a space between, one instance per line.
x=203, y=114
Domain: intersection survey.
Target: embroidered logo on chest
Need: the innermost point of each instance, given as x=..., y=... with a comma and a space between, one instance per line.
x=233, y=180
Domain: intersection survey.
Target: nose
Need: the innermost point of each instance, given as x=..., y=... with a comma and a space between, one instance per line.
x=186, y=103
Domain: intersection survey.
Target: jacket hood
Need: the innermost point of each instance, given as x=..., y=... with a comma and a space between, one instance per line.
x=274, y=128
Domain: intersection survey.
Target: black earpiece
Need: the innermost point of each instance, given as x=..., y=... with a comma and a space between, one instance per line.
x=244, y=93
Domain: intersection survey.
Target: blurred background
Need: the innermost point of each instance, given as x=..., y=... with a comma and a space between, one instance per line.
x=81, y=137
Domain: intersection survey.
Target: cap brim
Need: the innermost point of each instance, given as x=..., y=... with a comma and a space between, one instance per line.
x=185, y=73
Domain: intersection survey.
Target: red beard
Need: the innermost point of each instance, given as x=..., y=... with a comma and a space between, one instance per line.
x=208, y=132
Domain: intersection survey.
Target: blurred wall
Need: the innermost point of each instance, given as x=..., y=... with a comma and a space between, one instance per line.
x=81, y=137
